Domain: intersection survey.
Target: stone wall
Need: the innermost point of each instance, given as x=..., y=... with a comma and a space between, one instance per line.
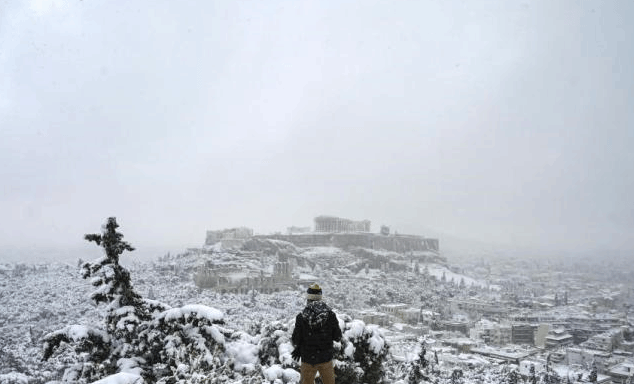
x=220, y=280
x=228, y=234
x=395, y=243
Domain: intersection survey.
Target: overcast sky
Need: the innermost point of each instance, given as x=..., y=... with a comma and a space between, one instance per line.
x=504, y=121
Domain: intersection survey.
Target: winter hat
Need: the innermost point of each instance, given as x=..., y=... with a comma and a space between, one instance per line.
x=314, y=292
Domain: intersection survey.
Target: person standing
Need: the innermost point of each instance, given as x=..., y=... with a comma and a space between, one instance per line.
x=316, y=328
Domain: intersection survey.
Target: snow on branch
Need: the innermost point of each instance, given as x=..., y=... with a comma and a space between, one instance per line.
x=87, y=339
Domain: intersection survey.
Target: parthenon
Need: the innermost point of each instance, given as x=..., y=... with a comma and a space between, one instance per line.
x=334, y=224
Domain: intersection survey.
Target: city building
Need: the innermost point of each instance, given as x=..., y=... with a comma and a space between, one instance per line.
x=523, y=334
x=605, y=341
x=481, y=307
x=622, y=373
x=372, y=317
x=558, y=338
x=491, y=333
x=395, y=310
x=587, y=357
x=507, y=354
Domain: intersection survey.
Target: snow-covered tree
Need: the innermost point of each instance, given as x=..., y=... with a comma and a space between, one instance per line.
x=141, y=337
x=418, y=368
x=361, y=355
x=512, y=377
x=593, y=374
x=551, y=377
x=274, y=352
x=100, y=349
x=274, y=345
x=532, y=378
x=456, y=376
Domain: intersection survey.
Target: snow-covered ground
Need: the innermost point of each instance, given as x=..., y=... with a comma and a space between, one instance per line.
x=40, y=298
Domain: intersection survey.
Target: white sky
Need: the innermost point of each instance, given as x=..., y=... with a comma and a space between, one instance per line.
x=508, y=122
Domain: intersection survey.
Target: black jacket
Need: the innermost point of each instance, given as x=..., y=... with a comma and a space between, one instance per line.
x=316, y=327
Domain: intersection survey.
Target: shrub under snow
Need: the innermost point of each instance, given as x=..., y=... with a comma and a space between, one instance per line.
x=14, y=378
x=359, y=358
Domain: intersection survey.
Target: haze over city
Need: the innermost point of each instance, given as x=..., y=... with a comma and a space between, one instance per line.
x=503, y=122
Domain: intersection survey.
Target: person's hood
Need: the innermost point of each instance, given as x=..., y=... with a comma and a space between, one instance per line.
x=316, y=314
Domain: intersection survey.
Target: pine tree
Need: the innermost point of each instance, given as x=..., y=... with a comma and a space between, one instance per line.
x=418, y=368
x=593, y=374
x=512, y=377
x=163, y=344
x=551, y=377
x=113, y=287
x=456, y=376
x=532, y=377
x=126, y=307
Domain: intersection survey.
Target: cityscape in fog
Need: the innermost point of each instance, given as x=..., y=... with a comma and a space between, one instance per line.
x=487, y=316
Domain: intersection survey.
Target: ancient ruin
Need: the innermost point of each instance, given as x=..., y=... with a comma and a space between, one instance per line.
x=330, y=231
x=236, y=278
x=334, y=224
x=230, y=237
x=295, y=230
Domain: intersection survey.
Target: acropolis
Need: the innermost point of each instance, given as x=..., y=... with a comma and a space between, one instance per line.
x=330, y=231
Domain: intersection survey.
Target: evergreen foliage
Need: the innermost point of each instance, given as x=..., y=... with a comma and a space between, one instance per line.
x=361, y=355
x=551, y=377
x=532, y=379
x=593, y=374
x=144, y=337
x=274, y=346
x=513, y=377
x=456, y=376
x=418, y=368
